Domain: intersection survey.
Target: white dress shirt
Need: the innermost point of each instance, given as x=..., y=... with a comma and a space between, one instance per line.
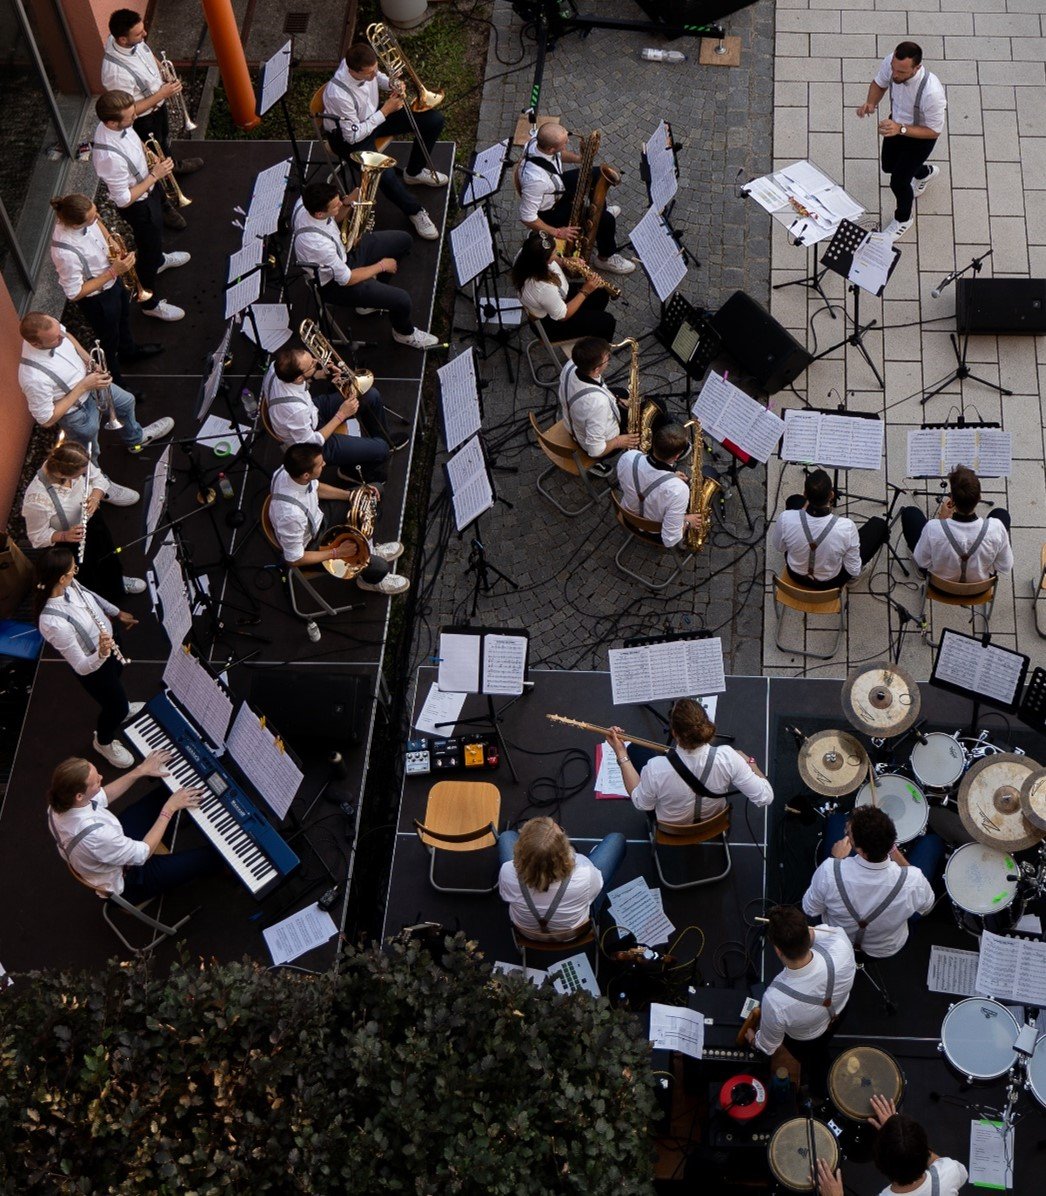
x=133, y=69
x=538, y=188
x=40, y=390
x=783, y=1014
x=935, y=552
x=317, y=242
x=663, y=790
x=840, y=549
x=118, y=158
x=589, y=410
x=546, y=298
x=102, y=854
x=665, y=502
x=932, y=103
x=83, y=607
x=355, y=103
x=951, y=1174
x=573, y=910
x=79, y=255
x=41, y=515
x=294, y=528
x=867, y=885
x=293, y=416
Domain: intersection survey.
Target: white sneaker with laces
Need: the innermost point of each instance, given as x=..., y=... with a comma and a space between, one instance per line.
x=391, y=551
x=121, y=496
x=897, y=228
x=615, y=264
x=426, y=179
x=133, y=709
x=171, y=261
x=115, y=752
x=164, y=311
x=614, y=209
x=416, y=340
x=920, y=185
x=153, y=431
x=423, y=226
x=133, y=585
x=391, y=583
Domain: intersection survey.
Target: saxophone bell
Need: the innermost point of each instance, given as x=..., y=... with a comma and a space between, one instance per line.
x=704, y=486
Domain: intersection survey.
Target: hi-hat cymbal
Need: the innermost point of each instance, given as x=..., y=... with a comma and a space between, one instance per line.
x=881, y=700
x=832, y=763
x=990, y=802
x=1033, y=798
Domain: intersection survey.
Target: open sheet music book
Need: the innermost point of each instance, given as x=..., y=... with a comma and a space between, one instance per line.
x=469, y=480
x=727, y=413
x=968, y=666
x=203, y=698
x=844, y=441
x=482, y=660
x=675, y=669
x=935, y=452
x=1012, y=969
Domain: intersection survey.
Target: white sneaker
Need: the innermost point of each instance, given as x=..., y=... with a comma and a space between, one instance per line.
x=121, y=496
x=164, y=311
x=391, y=583
x=391, y=551
x=897, y=228
x=133, y=585
x=614, y=209
x=365, y=311
x=423, y=226
x=171, y=261
x=920, y=185
x=426, y=179
x=153, y=431
x=416, y=340
x=133, y=709
x=615, y=264
x=115, y=752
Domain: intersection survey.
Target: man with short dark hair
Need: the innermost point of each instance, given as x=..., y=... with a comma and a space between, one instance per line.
x=594, y=415
x=916, y=120
x=652, y=489
x=958, y=545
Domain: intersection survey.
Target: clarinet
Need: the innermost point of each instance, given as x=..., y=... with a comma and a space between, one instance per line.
x=121, y=659
x=84, y=516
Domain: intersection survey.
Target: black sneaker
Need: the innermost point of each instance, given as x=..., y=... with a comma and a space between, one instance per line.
x=173, y=219
x=140, y=352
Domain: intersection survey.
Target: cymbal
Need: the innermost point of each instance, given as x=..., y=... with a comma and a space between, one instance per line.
x=881, y=700
x=832, y=763
x=1033, y=798
x=990, y=802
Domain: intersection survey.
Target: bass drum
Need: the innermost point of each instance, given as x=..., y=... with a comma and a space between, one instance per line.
x=938, y=763
x=977, y=1037
x=790, y=1155
x=981, y=883
x=903, y=801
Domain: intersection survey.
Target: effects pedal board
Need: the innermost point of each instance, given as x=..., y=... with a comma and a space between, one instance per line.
x=470, y=753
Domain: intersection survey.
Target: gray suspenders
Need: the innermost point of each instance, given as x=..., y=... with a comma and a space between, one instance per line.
x=295, y=502
x=317, y=266
x=964, y=556
x=61, y=383
x=88, y=644
x=881, y=908
x=66, y=849
x=641, y=494
x=52, y=494
x=806, y=998
x=88, y=276
x=131, y=164
x=543, y=920
x=917, y=106
x=812, y=541
x=124, y=65
x=935, y=1181
x=568, y=400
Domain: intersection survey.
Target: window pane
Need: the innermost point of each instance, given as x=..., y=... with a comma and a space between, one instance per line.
x=53, y=46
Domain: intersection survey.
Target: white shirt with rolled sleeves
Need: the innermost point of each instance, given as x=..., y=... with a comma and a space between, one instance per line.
x=951, y=1175
x=538, y=189
x=42, y=392
x=355, y=103
x=573, y=910
x=84, y=606
x=664, y=791
x=38, y=509
x=868, y=884
x=294, y=528
x=119, y=173
x=593, y=417
x=935, y=553
x=294, y=417
x=782, y=1014
x=133, y=69
x=546, y=298
x=317, y=242
x=840, y=549
x=67, y=246
x=666, y=504
x=932, y=103
x=105, y=851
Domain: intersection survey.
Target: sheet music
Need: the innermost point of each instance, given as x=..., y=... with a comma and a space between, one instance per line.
x=677, y=669
x=872, y=261
x=440, y=712
x=263, y=761
x=274, y=325
x=991, y=1154
x=676, y=1028
x=459, y=399
x=206, y=701
x=215, y=369
x=459, y=658
x=504, y=663
x=952, y=970
x=472, y=246
x=661, y=161
x=174, y=601
x=301, y=932
x=727, y=413
x=221, y=436
x=991, y=671
x=767, y=194
x=844, y=441
x=166, y=559
x=242, y=294
x=994, y=453
x=800, y=436
x=270, y=187
x=609, y=781
x=470, y=486
x=660, y=255
x=802, y=186
x=486, y=170
x=704, y=667
x=640, y=909
x=1012, y=969
x=157, y=497
x=668, y=669
x=245, y=258
x=925, y=450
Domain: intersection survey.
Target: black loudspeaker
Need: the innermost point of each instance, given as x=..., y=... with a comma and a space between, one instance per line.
x=758, y=344
x=1015, y=306
x=314, y=703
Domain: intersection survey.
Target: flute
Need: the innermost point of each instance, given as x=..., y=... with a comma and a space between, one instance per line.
x=573, y=722
x=99, y=624
x=84, y=516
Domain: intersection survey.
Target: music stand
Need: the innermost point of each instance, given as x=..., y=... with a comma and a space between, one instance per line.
x=459, y=408
x=659, y=252
x=472, y=248
x=471, y=486
x=273, y=80
x=975, y=668
x=659, y=169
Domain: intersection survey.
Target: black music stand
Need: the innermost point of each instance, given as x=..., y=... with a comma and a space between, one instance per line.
x=975, y=668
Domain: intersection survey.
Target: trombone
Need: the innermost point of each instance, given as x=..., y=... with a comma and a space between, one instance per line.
x=154, y=155
x=397, y=65
x=169, y=75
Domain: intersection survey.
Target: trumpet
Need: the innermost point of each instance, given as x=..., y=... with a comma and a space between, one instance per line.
x=104, y=396
x=170, y=75
x=396, y=66
x=154, y=155
x=117, y=248
x=99, y=624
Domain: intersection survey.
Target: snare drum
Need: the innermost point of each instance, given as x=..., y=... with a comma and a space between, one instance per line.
x=902, y=800
x=977, y=1037
x=1037, y=1071
x=980, y=879
x=789, y=1152
x=939, y=762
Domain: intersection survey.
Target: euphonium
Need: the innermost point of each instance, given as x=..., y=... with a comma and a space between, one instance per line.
x=344, y=379
x=397, y=64
x=702, y=491
x=357, y=529
x=117, y=248
x=579, y=268
x=589, y=199
x=170, y=75
x=104, y=396
x=154, y=155
x=361, y=219
x=641, y=415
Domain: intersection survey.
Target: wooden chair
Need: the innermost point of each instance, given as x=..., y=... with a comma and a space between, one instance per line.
x=1039, y=605
x=667, y=834
x=567, y=456
x=789, y=595
x=978, y=596
x=459, y=816
x=648, y=532
x=557, y=352
x=584, y=937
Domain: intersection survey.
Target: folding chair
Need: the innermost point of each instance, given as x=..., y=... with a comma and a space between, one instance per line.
x=978, y=596
x=459, y=816
x=567, y=456
x=648, y=532
x=557, y=352
x=667, y=834
x=584, y=937
x=788, y=595
x=161, y=930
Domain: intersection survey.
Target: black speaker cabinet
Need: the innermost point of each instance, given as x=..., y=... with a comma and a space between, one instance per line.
x=314, y=703
x=758, y=344
x=1011, y=306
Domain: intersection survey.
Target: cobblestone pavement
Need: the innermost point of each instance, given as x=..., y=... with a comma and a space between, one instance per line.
x=571, y=595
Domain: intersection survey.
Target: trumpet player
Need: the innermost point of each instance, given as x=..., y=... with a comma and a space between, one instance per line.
x=96, y=280
x=62, y=387
x=119, y=160
x=128, y=64
x=566, y=309
x=653, y=488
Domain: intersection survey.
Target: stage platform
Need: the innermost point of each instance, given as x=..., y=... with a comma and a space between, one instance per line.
x=51, y=921
x=773, y=857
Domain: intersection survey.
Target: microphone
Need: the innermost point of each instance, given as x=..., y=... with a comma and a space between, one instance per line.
x=797, y=735
x=936, y=292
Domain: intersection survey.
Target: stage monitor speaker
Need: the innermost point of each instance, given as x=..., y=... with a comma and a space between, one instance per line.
x=314, y=703
x=758, y=344
x=1011, y=306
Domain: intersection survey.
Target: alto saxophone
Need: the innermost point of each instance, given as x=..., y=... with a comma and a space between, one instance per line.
x=361, y=219
x=702, y=492
x=641, y=415
x=578, y=268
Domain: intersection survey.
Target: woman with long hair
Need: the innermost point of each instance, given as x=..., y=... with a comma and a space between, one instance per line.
x=567, y=310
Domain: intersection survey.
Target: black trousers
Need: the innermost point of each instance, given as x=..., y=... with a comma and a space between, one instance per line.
x=430, y=125
x=146, y=221
x=913, y=521
x=558, y=215
x=369, y=452
x=160, y=873
x=106, y=687
x=902, y=160
x=374, y=292
x=155, y=123
x=871, y=536
x=101, y=570
x=109, y=314
x=590, y=319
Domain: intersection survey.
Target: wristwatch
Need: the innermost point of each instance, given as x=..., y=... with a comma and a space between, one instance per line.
x=904, y=130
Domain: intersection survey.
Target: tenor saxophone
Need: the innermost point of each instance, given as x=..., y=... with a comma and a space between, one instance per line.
x=641, y=415
x=361, y=219
x=578, y=268
x=702, y=492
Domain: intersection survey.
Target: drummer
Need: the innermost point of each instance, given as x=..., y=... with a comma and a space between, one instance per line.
x=868, y=888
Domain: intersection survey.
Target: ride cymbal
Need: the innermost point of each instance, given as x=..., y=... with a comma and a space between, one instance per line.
x=990, y=802
x=882, y=700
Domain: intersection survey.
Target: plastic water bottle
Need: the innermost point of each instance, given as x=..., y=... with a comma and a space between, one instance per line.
x=653, y=55
x=249, y=403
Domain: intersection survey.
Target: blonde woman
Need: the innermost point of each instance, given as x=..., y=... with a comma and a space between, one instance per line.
x=550, y=889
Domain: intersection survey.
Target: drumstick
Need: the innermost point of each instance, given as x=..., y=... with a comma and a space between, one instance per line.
x=873, y=788
x=574, y=722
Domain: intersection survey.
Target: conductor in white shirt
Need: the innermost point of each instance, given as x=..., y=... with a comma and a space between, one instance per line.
x=822, y=550
x=652, y=489
x=958, y=545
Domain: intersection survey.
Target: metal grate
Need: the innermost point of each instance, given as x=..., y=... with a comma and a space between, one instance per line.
x=296, y=22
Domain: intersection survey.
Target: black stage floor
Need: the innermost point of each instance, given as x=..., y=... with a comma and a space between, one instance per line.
x=757, y=711
x=51, y=922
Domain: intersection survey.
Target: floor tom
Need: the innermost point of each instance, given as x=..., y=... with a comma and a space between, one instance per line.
x=902, y=800
x=1037, y=1071
x=977, y=1037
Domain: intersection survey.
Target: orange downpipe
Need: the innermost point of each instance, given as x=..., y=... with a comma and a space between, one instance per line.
x=232, y=62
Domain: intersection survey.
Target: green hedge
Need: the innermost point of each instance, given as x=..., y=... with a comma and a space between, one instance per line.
x=400, y=1074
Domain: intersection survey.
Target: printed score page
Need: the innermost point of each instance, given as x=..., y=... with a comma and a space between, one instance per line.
x=661, y=161
x=263, y=761
x=727, y=413
x=661, y=257
x=198, y=692
x=991, y=671
x=1012, y=969
x=459, y=399
x=504, y=663
x=470, y=485
x=472, y=246
x=486, y=173
x=844, y=441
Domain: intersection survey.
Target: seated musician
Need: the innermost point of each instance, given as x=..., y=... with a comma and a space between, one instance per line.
x=651, y=487
x=822, y=550
x=357, y=119
x=550, y=890
x=116, y=853
x=566, y=310
x=354, y=279
x=872, y=892
x=802, y=1005
x=958, y=545
x=298, y=418
x=688, y=783
x=593, y=414
x=297, y=520
x=546, y=196
x=902, y=1153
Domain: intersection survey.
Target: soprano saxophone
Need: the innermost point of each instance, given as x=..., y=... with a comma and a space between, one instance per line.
x=702, y=492
x=641, y=415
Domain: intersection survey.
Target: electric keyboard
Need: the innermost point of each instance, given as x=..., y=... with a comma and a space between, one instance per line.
x=236, y=829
